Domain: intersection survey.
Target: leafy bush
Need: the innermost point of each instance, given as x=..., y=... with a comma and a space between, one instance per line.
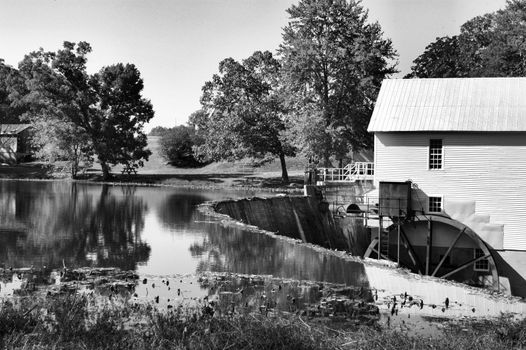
x=176, y=146
x=158, y=131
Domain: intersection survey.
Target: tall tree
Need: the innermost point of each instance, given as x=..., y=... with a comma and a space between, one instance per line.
x=117, y=120
x=53, y=102
x=104, y=112
x=243, y=114
x=334, y=61
x=490, y=45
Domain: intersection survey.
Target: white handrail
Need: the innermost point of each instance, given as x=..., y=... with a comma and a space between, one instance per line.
x=350, y=173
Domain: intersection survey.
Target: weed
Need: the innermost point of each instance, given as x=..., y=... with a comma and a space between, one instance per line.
x=20, y=318
x=74, y=322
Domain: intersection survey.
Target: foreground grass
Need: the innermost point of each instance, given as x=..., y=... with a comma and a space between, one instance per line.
x=75, y=322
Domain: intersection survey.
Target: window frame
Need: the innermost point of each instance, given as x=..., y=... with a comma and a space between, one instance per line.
x=430, y=154
x=441, y=204
x=485, y=262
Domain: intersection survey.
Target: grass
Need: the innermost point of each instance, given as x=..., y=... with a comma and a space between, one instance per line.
x=80, y=322
x=244, y=173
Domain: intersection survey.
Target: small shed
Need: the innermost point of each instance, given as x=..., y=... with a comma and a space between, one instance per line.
x=15, y=142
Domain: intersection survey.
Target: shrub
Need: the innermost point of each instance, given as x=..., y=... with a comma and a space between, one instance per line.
x=176, y=146
x=158, y=131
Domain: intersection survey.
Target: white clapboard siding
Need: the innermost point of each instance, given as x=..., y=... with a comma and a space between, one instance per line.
x=489, y=168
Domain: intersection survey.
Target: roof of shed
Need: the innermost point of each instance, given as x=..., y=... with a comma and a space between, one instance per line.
x=13, y=129
x=450, y=104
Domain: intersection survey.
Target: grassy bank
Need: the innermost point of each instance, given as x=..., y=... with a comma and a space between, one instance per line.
x=156, y=171
x=81, y=322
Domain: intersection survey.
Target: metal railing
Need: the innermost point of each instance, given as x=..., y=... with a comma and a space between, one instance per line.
x=371, y=207
x=350, y=173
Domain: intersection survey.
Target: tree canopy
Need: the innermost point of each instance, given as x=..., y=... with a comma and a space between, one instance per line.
x=490, y=45
x=333, y=64
x=316, y=96
x=10, y=112
x=242, y=112
x=77, y=114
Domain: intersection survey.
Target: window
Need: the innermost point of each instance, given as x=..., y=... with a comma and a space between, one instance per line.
x=435, y=204
x=481, y=265
x=435, y=154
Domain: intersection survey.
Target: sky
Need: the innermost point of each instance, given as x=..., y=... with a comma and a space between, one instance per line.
x=177, y=44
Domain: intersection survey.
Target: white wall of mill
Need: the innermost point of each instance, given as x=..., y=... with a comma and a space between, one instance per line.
x=488, y=168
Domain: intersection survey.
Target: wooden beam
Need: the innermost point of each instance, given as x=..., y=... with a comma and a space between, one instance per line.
x=455, y=240
x=411, y=251
x=370, y=248
x=380, y=254
x=494, y=274
x=429, y=244
x=462, y=267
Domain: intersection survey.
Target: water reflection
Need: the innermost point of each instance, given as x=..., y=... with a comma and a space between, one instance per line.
x=56, y=224
x=178, y=208
x=154, y=231
x=158, y=232
x=233, y=249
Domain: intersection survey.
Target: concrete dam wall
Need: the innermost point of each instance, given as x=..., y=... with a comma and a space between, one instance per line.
x=304, y=218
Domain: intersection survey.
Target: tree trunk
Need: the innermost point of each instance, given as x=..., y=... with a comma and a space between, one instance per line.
x=284, y=173
x=74, y=168
x=326, y=160
x=105, y=170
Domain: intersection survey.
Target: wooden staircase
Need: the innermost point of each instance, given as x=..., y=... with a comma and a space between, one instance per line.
x=379, y=246
x=384, y=243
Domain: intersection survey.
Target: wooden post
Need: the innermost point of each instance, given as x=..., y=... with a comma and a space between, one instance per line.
x=366, y=215
x=398, y=231
x=411, y=252
x=429, y=245
x=380, y=235
x=398, y=244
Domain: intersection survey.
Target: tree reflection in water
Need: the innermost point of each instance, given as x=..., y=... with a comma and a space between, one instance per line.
x=233, y=249
x=51, y=223
x=178, y=208
x=48, y=223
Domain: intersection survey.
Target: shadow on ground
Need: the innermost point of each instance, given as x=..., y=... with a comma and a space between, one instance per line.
x=192, y=177
x=26, y=171
x=225, y=179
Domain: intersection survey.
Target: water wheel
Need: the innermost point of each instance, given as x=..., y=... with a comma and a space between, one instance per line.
x=426, y=237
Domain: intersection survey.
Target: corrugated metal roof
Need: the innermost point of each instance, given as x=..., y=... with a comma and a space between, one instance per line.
x=450, y=104
x=13, y=129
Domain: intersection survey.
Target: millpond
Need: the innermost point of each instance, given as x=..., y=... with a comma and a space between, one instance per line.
x=177, y=251
x=154, y=231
